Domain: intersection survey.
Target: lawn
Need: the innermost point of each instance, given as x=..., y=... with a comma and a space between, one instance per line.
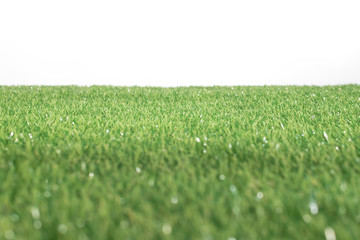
x=180, y=163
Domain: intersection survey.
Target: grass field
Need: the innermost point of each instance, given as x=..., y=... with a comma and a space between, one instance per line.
x=180, y=163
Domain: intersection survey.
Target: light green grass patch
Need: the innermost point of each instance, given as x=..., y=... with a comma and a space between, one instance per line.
x=180, y=163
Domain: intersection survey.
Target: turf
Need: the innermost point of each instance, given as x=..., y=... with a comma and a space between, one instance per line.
x=180, y=163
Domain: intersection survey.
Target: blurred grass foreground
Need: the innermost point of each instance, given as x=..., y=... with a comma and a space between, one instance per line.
x=180, y=163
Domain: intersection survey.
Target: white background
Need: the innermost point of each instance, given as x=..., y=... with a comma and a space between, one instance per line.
x=179, y=43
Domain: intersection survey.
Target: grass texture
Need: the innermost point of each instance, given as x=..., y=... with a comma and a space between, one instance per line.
x=180, y=163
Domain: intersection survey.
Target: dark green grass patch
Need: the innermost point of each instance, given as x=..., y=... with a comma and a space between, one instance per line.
x=180, y=163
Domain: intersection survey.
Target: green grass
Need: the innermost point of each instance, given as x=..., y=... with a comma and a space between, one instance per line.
x=179, y=163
